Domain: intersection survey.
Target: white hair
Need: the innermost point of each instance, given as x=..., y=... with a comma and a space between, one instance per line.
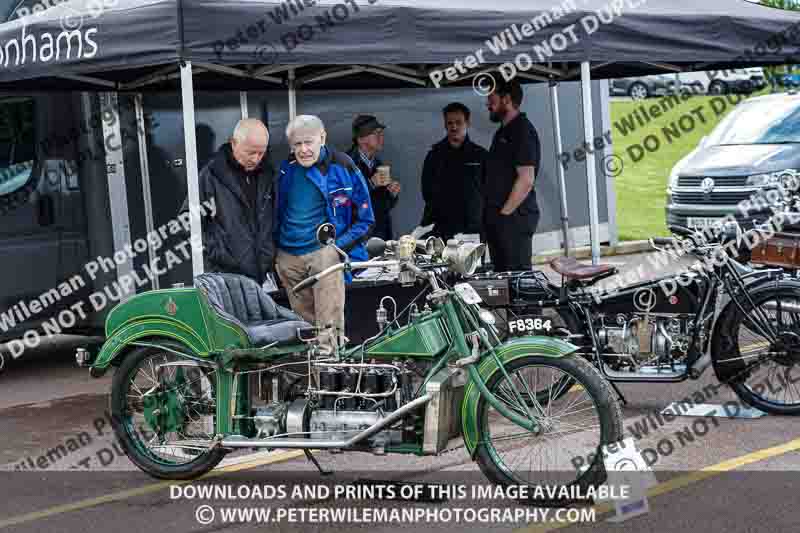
x=304, y=123
x=245, y=126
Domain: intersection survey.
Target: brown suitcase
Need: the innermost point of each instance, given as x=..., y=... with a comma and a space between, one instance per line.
x=782, y=250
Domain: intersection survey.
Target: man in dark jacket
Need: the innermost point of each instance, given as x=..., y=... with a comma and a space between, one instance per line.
x=367, y=142
x=451, y=178
x=239, y=237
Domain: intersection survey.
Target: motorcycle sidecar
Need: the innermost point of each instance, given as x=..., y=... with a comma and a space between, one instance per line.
x=223, y=315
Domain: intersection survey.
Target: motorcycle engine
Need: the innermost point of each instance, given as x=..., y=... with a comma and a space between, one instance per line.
x=345, y=398
x=633, y=340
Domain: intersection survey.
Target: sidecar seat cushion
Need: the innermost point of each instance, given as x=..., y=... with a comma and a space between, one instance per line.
x=240, y=298
x=280, y=332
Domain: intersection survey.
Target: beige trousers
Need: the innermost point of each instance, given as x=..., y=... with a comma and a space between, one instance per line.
x=322, y=304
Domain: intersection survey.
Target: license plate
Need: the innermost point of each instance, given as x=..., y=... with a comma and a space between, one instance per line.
x=528, y=325
x=702, y=222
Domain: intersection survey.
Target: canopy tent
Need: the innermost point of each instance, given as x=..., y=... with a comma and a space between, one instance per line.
x=126, y=46
x=328, y=44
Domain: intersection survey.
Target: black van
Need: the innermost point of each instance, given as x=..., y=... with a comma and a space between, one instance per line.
x=43, y=222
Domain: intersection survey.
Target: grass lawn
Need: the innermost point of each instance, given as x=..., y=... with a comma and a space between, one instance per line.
x=641, y=186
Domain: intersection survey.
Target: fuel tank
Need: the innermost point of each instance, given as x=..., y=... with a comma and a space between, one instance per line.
x=670, y=294
x=425, y=337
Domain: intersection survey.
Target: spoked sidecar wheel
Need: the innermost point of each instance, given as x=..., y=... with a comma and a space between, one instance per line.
x=575, y=425
x=766, y=364
x=164, y=416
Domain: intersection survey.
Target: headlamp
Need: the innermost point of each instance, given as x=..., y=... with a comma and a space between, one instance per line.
x=788, y=179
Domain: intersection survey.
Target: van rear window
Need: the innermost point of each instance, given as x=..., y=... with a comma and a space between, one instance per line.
x=17, y=143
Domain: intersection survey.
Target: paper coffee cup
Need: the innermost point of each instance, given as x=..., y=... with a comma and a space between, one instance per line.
x=385, y=174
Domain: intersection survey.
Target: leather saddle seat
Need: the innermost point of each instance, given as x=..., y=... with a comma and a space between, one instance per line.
x=570, y=268
x=241, y=300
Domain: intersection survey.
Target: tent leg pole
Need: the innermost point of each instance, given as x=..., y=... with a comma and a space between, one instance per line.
x=591, y=177
x=560, y=168
x=243, y=104
x=117, y=187
x=144, y=166
x=292, y=95
x=192, y=176
x=610, y=173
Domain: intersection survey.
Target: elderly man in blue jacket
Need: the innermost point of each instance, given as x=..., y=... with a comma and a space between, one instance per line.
x=318, y=184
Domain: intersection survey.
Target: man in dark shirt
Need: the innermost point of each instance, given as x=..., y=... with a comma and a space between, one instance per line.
x=510, y=210
x=451, y=178
x=367, y=142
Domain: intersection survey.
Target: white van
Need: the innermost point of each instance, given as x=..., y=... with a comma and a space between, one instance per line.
x=741, y=80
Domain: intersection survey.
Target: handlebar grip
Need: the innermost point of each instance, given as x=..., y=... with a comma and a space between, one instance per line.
x=680, y=230
x=306, y=283
x=664, y=241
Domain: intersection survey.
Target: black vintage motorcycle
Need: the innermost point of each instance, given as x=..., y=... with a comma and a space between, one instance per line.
x=721, y=312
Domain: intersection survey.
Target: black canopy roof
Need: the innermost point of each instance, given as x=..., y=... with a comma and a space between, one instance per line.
x=137, y=45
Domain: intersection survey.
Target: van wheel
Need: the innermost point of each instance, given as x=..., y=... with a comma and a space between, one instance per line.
x=638, y=91
x=718, y=87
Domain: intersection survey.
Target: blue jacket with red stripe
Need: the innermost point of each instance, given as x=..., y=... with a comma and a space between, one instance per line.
x=347, y=199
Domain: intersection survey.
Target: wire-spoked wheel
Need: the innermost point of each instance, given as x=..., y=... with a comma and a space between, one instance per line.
x=766, y=357
x=163, y=410
x=560, y=321
x=574, y=425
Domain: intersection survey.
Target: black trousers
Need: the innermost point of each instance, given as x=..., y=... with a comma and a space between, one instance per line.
x=510, y=239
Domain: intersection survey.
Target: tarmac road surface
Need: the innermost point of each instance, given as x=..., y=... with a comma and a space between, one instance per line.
x=714, y=473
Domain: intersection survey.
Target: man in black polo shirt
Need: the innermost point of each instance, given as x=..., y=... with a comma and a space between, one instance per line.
x=510, y=212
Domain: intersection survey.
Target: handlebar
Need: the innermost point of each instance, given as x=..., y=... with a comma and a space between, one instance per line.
x=665, y=241
x=306, y=283
x=462, y=259
x=704, y=241
x=311, y=281
x=699, y=239
x=681, y=230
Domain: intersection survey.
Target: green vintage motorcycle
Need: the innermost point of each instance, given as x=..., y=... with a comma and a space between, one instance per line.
x=202, y=371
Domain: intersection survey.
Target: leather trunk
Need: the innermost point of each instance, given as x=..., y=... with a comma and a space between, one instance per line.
x=782, y=250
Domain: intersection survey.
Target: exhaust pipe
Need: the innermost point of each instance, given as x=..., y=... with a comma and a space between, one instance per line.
x=789, y=307
x=700, y=366
x=327, y=444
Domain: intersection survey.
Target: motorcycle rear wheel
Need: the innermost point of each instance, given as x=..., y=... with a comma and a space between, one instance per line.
x=574, y=441
x=190, y=394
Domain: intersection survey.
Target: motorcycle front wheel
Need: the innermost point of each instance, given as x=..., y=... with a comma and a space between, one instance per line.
x=163, y=411
x=562, y=319
x=574, y=426
x=763, y=356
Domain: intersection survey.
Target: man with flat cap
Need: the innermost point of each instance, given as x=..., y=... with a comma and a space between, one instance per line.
x=383, y=190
